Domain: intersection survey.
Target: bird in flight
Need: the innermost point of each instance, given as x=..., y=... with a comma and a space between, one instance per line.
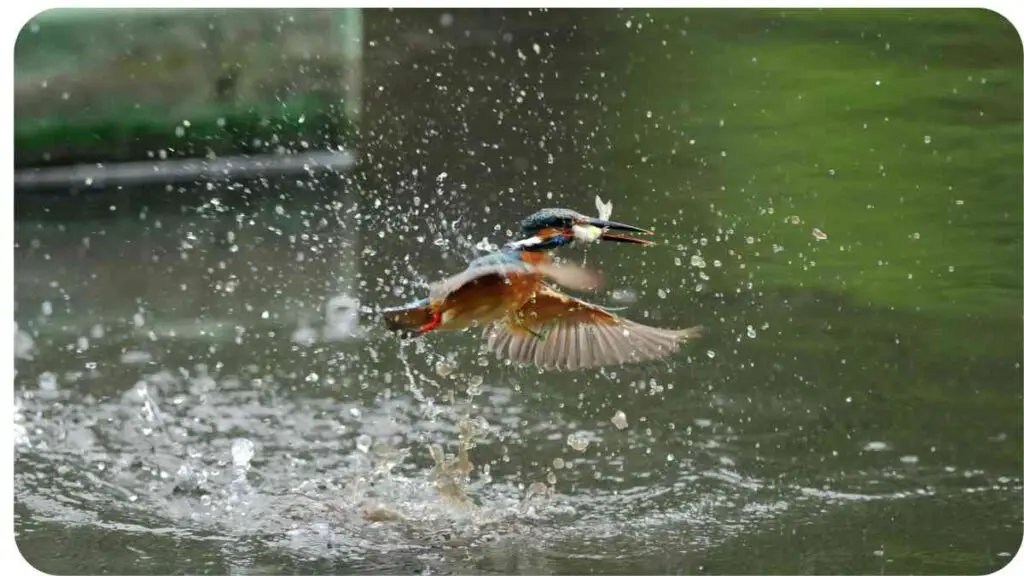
x=525, y=319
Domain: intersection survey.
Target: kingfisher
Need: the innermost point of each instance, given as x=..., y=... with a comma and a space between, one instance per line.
x=525, y=319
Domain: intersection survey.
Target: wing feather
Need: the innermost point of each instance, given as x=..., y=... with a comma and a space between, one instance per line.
x=576, y=335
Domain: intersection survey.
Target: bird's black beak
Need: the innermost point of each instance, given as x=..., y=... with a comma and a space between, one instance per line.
x=619, y=232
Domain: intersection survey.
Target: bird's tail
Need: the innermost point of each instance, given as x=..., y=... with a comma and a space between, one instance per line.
x=408, y=318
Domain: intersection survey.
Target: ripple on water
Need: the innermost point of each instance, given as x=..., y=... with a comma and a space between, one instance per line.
x=195, y=454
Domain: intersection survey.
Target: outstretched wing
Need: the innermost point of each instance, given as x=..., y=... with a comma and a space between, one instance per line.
x=557, y=331
x=567, y=274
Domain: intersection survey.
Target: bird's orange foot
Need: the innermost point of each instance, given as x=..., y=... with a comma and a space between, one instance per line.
x=435, y=321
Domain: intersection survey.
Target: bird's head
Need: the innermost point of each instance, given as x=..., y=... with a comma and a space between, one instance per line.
x=556, y=227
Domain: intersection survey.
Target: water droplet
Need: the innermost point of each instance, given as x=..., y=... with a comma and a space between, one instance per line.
x=624, y=296
x=136, y=357
x=363, y=443
x=619, y=420
x=48, y=381
x=485, y=245
x=242, y=450
x=577, y=442
x=444, y=368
